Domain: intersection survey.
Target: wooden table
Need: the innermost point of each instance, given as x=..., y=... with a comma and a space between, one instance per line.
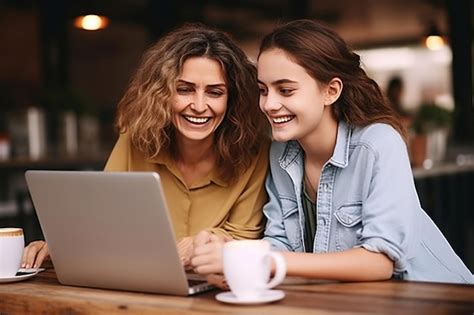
x=43, y=294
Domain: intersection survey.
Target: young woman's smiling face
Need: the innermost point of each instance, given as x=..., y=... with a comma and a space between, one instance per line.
x=200, y=100
x=291, y=99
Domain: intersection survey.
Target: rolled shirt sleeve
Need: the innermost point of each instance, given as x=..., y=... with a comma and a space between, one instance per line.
x=390, y=206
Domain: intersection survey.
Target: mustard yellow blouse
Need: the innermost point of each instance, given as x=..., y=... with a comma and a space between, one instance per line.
x=211, y=204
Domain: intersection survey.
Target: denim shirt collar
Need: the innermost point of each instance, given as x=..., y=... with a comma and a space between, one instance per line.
x=340, y=157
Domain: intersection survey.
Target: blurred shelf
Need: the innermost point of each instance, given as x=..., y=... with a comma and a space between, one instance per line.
x=71, y=162
x=443, y=169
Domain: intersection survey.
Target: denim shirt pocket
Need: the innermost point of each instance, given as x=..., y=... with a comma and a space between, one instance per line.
x=349, y=225
x=291, y=221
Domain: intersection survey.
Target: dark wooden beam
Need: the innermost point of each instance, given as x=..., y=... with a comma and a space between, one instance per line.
x=460, y=22
x=53, y=29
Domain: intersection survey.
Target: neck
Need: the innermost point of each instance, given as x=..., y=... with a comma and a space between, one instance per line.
x=320, y=143
x=191, y=152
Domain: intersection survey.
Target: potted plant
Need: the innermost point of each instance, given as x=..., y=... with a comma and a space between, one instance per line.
x=431, y=127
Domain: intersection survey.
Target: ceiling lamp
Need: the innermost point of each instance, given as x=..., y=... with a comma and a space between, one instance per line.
x=91, y=22
x=433, y=39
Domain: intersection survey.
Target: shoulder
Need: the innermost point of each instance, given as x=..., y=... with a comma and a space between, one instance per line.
x=123, y=142
x=118, y=159
x=376, y=134
x=379, y=138
x=124, y=138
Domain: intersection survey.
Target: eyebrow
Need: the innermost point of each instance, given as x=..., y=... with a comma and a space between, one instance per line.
x=281, y=81
x=209, y=85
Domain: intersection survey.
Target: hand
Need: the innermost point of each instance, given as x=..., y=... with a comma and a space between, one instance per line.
x=34, y=254
x=217, y=281
x=207, y=255
x=185, y=250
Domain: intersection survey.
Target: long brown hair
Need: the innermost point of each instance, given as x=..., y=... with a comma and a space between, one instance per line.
x=145, y=109
x=325, y=55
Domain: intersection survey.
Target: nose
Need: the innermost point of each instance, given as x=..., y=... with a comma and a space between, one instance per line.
x=199, y=103
x=270, y=102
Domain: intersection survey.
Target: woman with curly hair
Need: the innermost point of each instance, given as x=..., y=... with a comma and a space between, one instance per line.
x=191, y=114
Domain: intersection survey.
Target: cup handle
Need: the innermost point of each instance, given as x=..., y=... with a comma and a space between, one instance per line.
x=280, y=269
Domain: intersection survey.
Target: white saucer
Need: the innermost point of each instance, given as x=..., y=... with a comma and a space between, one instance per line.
x=26, y=274
x=266, y=297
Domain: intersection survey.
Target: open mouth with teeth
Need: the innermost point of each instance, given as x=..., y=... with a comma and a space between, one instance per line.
x=282, y=119
x=197, y=120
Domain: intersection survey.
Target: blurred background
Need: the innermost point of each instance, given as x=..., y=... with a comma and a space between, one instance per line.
x=64, y=66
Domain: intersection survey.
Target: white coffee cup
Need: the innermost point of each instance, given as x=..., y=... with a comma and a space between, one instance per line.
x=11, y=250
x=247, y=267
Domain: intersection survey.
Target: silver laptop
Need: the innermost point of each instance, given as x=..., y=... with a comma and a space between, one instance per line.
x=110, y=230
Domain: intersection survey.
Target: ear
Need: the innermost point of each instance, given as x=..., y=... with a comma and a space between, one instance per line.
x=333, y=91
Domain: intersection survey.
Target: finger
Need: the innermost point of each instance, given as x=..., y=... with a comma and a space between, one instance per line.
x=207, y=269
x=181, y=243
x=203, y=249
x=202, y=238
x=215, y=238
x=218, y=281
x=182, y=255
x=221, y=238
x=41, y=256
x=30, y=254
x=186, y=243
x=205, y=264
x=185, y=261
x=200, y=260
x=228, y=238
x=27, y=252
x=27, y=248
x=24, y=256
x=214, y=247
x=188, y=267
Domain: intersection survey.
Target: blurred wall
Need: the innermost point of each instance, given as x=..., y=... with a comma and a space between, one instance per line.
x=102, y=62
x=19, y=55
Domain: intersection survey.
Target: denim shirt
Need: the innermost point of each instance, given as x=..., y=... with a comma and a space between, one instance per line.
x=366, y=198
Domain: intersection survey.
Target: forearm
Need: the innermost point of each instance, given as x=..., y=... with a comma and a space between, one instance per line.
x=278, y=243
x=356, y=264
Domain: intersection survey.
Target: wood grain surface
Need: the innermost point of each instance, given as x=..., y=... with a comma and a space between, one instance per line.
x=43, y=294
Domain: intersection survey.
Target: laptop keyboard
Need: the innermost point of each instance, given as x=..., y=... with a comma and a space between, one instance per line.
x=193, y=283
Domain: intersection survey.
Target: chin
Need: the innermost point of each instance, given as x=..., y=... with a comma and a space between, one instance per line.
x=195, y=137
x=280, y=137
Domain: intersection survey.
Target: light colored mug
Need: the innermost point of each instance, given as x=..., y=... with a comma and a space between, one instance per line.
x=247, y=267
x=12, y=243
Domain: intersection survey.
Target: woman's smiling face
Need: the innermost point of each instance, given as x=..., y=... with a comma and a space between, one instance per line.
x=290, y=98
x=200, y=100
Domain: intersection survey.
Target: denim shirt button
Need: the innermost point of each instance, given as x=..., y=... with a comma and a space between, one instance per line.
x=322, y=221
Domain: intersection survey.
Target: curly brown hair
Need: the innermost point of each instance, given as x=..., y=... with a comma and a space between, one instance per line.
x=145, y=109
x=325, y=55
